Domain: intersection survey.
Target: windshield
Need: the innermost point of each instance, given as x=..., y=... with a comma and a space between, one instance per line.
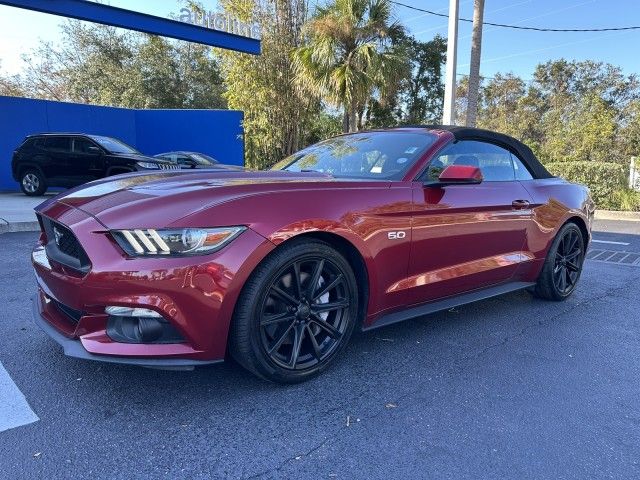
x=370, y=155
x=113, y=146
x=202, y=159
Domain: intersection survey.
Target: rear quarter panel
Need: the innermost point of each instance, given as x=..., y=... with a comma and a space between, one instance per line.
x=555, y=201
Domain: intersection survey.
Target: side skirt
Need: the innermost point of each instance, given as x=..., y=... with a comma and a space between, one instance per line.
x=447, y=303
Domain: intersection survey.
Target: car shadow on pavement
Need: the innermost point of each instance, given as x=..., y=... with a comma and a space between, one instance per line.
x=382, y=364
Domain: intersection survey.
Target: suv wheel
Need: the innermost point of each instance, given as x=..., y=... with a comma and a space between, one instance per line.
x=33, y=183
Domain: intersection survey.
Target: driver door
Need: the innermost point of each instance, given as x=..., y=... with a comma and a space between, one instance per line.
x=467, y=237
x=86, y=162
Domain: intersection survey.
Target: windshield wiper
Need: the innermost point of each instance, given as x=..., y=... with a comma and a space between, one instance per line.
x=311, y=170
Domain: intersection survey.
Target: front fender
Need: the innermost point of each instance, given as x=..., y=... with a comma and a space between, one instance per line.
x=362, y=216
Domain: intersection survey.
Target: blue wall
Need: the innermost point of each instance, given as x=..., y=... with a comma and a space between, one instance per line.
x=215, y=132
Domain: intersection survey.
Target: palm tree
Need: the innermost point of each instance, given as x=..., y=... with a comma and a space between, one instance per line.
x=474, y=69
x=353, y=52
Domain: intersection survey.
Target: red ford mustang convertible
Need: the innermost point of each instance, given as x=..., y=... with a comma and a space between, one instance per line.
x=176, y=269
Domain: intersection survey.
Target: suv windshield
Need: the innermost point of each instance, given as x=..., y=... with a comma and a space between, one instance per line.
x=369, y=155
x=112, y=145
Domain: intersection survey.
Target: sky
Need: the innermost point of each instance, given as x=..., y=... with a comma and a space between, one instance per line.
x=503, y=50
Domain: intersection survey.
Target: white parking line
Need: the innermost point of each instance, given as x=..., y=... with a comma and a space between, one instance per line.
x=14, y=409
x=610, y=242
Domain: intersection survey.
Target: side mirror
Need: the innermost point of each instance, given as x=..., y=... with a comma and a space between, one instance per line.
x=92, y=150
x=457, y=175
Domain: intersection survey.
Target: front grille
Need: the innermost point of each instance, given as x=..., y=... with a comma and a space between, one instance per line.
x=165, y=166
x=63, y=247
x=66, y=241
x=71, y=314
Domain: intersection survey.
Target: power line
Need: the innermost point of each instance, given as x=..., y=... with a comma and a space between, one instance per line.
x=518, y=27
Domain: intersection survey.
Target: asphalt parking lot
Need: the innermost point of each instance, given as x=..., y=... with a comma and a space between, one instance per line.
x=511, y=387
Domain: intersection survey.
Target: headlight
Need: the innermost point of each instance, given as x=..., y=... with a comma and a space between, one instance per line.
x=178, y=242
x=148, y=165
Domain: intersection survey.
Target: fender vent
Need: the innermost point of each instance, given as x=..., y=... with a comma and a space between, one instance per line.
x=614, y=256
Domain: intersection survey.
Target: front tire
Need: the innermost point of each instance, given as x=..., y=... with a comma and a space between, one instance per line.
x=563, y=265
x=33, y=183
x=296, y=313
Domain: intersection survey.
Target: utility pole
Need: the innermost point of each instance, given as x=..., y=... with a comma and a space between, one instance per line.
x=449, y=111
x=474, y=69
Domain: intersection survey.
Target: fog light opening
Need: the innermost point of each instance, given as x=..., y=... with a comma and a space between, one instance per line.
x=131, y=312
x=149, y=330
x=140, y=325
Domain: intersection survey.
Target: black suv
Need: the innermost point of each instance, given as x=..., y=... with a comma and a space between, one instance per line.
x=70, y=159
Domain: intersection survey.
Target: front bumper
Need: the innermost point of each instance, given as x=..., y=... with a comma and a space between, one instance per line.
x=196, y=295
x=74, y=348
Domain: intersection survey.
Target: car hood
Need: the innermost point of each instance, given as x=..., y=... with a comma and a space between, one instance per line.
x=215, y=166
x=154, y=200
x=138, y=157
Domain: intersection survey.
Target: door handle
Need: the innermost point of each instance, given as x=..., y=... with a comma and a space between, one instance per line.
x=520, y=204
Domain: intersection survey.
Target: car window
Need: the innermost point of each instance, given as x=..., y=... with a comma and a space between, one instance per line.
x=370, y=155
x=59, y=144
x=495, y=163
x=112, y=145
x=29, y=142
x=522, y=173
x=81, y=145
x=203, y=159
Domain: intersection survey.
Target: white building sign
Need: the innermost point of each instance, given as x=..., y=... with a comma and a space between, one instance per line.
x=225, y=22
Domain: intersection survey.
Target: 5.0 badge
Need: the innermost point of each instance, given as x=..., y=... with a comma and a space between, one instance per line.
x=400, y=234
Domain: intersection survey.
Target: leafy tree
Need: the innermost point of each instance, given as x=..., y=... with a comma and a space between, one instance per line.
x=353, y=52
x=462, y=89
x=277, y=115
x=323, y=125
x=507, y=105
x=582, y=107
x=587, y=132
x=570, y=111
x=103, y=65
x=418, y=99
x=10, y=85
x=424, y=94
x=630, y=130
x=568, y=80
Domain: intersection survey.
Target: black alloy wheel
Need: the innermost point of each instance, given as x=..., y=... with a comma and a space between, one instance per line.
x=296, y=312
x=568, y=262
x=305, y=314
x=563, y=265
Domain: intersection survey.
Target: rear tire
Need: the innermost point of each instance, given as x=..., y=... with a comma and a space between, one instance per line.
x=296, y=312
x=33, y=183
x=563, y=265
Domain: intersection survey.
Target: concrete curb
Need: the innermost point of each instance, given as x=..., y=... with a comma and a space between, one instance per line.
x=19, y=227
x=615, y=215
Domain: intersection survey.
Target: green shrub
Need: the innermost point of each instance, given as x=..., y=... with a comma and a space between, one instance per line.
x=604, y=179
x=628, y=200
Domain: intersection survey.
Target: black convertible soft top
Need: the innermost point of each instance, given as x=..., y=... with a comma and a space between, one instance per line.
x=523, y=152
